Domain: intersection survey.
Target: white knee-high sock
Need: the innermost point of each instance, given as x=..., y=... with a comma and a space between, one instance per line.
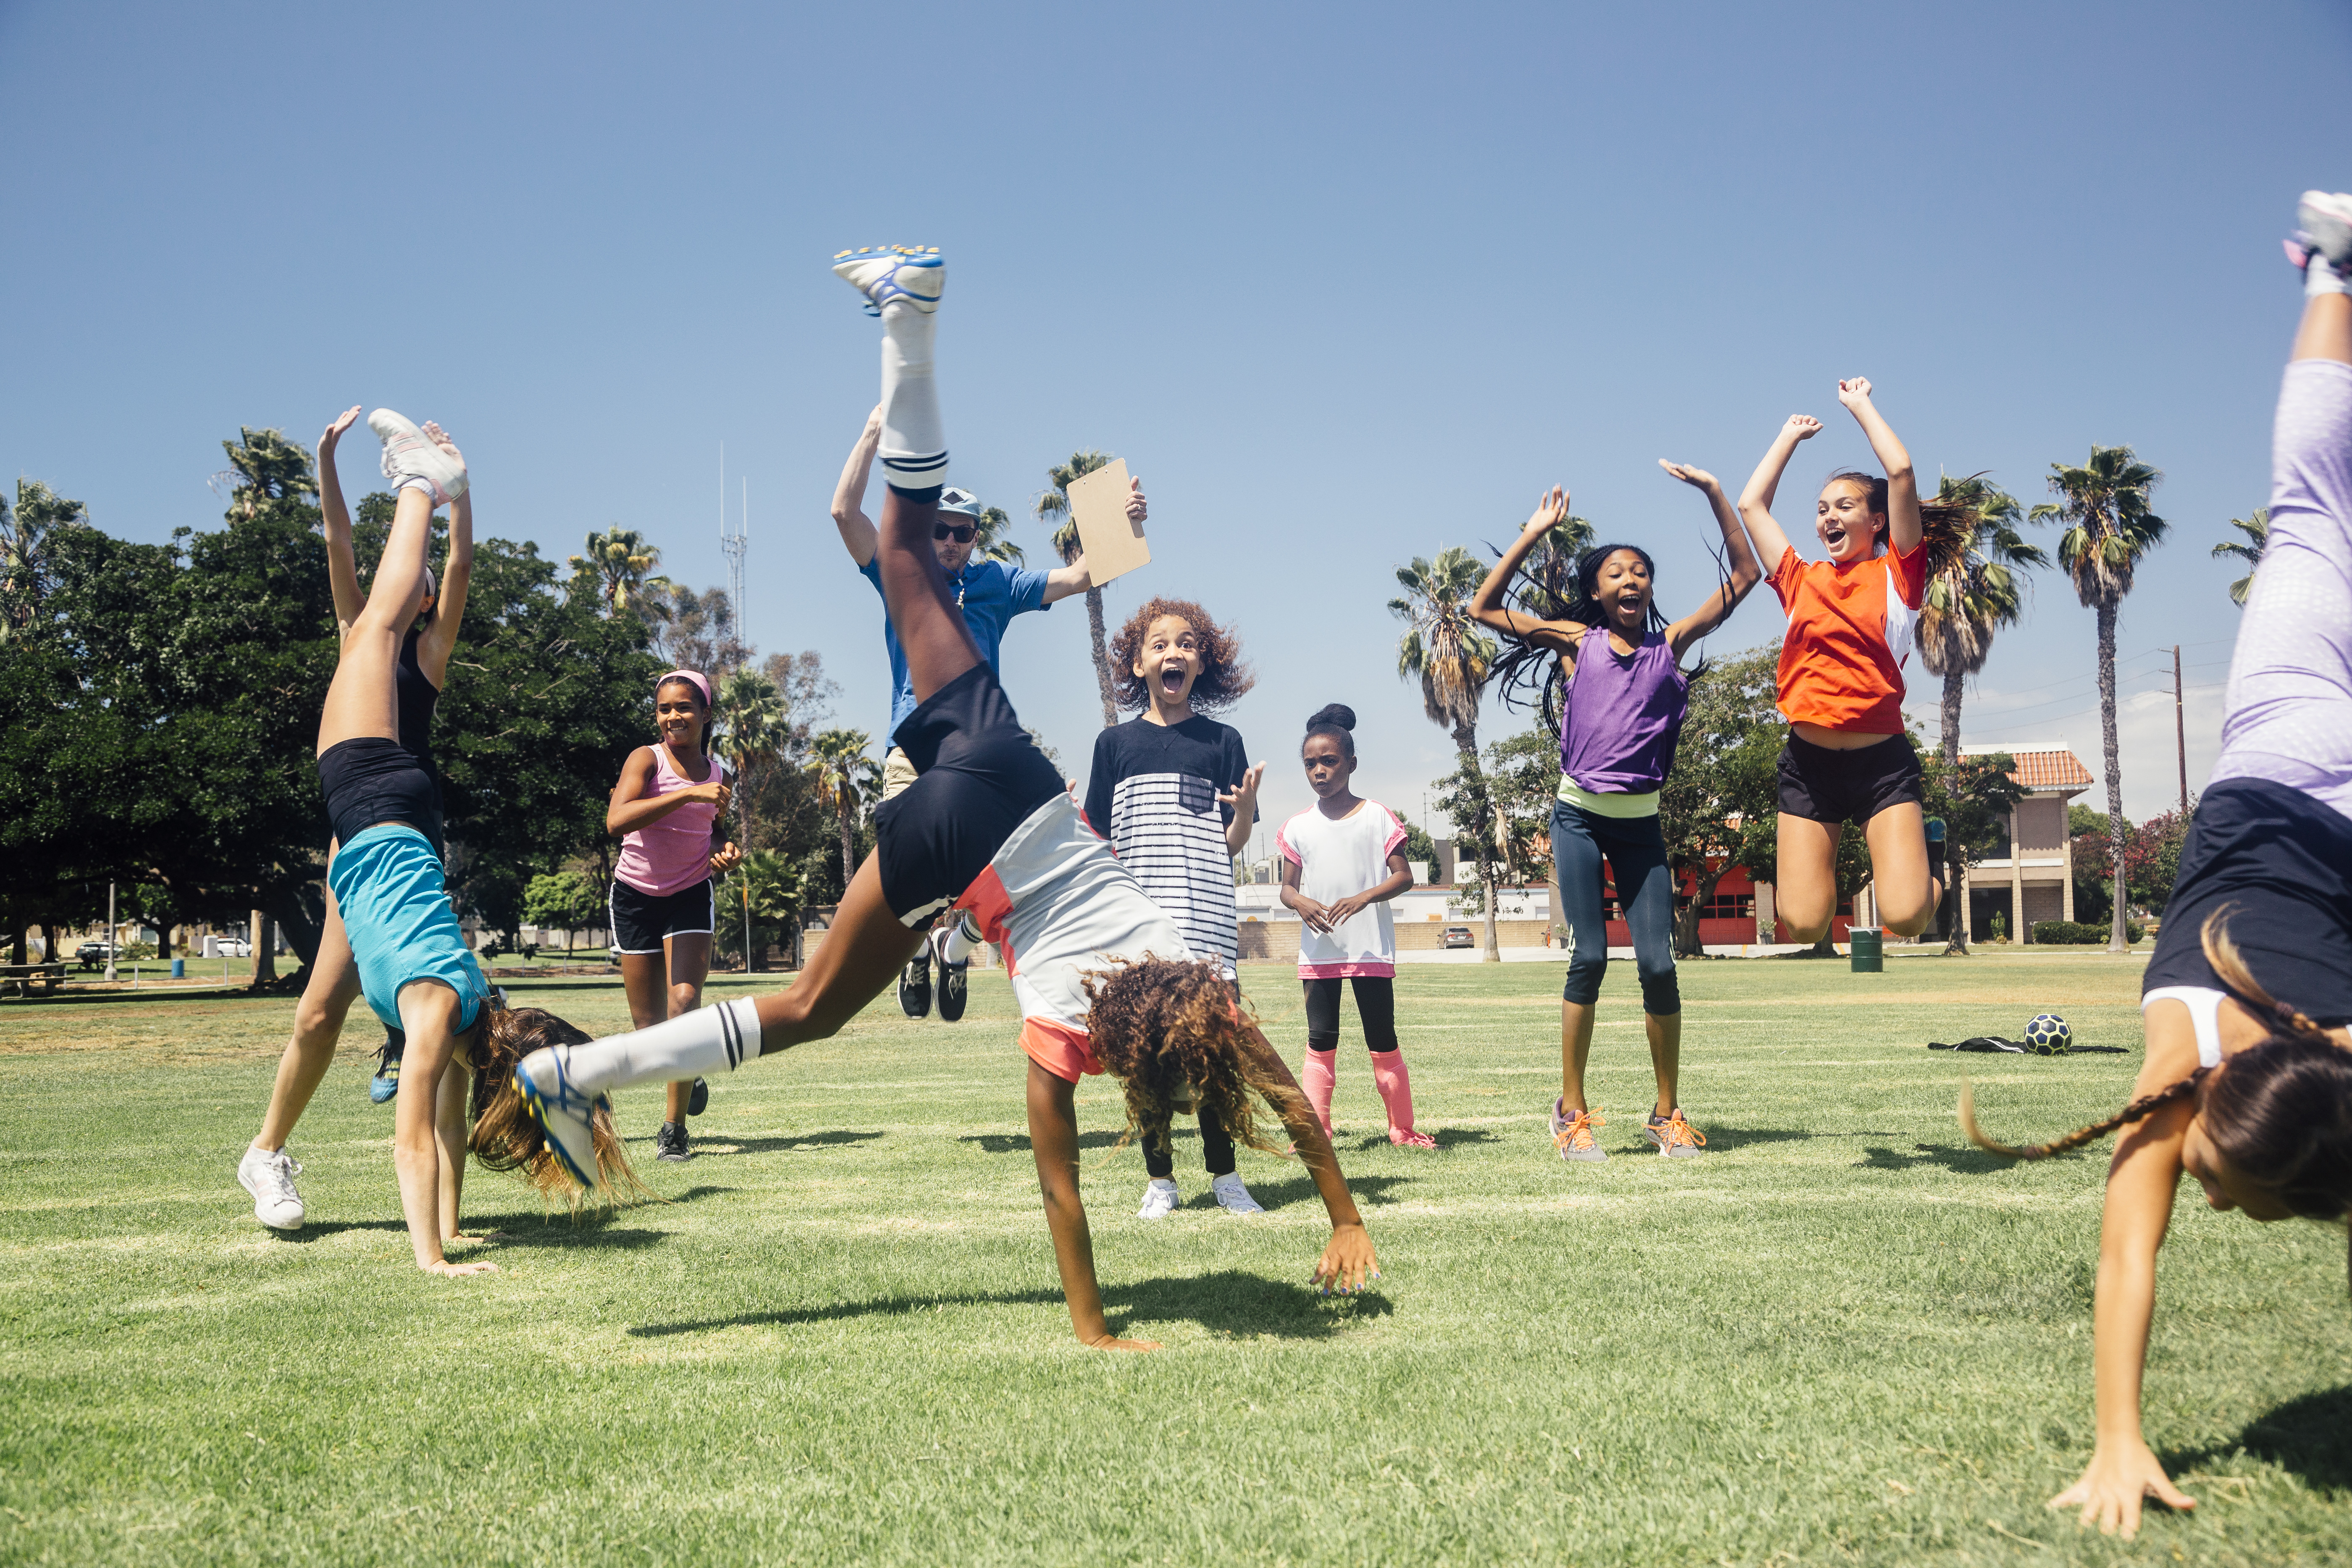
x=962, y=941
x=914, y=448
x=705, y=1041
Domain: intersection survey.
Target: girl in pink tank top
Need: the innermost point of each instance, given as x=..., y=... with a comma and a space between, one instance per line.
x=668, y=808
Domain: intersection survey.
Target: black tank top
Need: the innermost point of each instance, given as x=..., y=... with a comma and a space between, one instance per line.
x=416, y=697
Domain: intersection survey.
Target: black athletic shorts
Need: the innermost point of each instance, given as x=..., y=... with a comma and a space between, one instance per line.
x=640, y=919
x=1836, y=787
x=2281, y=863
x=981, y=775
x=372, y=780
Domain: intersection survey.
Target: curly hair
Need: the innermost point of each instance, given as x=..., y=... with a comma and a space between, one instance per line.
x=504, y=1138
x=2282, y=1112
x=1224, y=678
x=1176, y=1037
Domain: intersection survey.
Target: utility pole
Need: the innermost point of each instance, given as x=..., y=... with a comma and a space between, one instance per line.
x=2179, y=732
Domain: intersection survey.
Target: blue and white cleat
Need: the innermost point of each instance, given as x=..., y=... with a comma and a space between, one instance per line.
x=562, y=1112
x=886, y=272
x=2326, y=221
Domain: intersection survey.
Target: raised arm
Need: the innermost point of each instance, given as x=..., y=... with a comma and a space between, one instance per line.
x=1741, y=556
x=1075, y=578
x=1486, y=603
x=342, y=568
x=631, y=808
x=857, y=534
x=1902, y=484
x=440, y=639
x=1755, y=501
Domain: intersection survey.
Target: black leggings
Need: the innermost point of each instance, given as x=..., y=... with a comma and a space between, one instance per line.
x=1375, y=1004
x=1216, y=1151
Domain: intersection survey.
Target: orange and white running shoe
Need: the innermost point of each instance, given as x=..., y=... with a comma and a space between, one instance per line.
x=1673, y=1136
x=1572, y=1133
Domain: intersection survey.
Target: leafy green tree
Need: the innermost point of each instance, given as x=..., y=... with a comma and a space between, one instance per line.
x=1053, y=508
x=754, y=728
x=2105, y=506
x=28, y=546
x=1450, y=654
x=2257, y=529
x=1522, y=778
x=846, y=779
x=564, y=901
x=622, y=562
x=1718, y=807
x=763, y=897
x=694, y=631
x=1974, y=795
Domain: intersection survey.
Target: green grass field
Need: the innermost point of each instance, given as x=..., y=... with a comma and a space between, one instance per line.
x=1840, y=1336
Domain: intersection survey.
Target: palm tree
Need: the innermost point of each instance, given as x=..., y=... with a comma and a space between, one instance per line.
x=764, y=892
x=1446, y=649
x=1054, y=504
x=2257, y=529
x=994, y=541
x=625, y=562
x=28, y=541
x=1973, y=597
x=845, y=777
x=754, y=724
x=2109, y=528
x=265, y=470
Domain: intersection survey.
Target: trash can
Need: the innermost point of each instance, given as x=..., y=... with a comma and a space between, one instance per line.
x=179, y=969
x=1869, y=950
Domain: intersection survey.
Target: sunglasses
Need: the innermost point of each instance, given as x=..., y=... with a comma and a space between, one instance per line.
x=961, y=533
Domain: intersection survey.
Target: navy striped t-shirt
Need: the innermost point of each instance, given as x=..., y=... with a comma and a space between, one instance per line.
x=1153, y=792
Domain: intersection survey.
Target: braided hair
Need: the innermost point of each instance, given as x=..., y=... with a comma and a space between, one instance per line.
x=2282, y=1114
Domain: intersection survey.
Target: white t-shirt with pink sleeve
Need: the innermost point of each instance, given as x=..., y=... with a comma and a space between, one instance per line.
x=1336, y=861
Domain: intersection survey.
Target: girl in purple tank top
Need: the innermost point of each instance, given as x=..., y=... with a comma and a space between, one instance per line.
x=668, y=810
x=1618, y=688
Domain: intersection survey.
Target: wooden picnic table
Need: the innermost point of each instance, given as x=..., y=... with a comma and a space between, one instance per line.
x=19, y=979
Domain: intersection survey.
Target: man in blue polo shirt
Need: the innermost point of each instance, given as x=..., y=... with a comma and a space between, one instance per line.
x=989, y=592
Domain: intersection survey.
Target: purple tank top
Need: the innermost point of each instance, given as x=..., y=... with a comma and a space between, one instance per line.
x=1624, y=715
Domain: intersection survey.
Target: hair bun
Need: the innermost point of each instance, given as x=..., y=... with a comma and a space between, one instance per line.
x=1338, y=713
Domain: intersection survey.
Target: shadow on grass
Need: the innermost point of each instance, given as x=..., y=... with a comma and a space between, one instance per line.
x=1969, y=1162
x=1227, y=1301
x=1301, y=1189
x=1018, y=1143
x=2310, y=1434
x=1720, y=1139
x=1447, y=1138
x=779, y=1141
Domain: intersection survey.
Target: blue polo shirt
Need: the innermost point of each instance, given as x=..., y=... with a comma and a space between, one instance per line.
x=989, y=594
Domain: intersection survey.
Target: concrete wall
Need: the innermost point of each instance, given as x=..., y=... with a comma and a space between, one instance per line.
x=2042, y=824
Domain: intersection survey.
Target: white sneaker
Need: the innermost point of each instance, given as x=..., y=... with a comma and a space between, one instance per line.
x=410, y=454
x=271, y=1179
x=1234, y=1197
x=563, y=1112
x=2326, y=221
x=886, y=272
x=1160, y=1199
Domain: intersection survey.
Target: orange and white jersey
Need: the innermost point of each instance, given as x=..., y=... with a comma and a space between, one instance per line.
x=1061, y=907
x=1850, y=632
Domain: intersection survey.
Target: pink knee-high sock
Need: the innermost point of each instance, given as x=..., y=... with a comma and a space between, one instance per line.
x=1316, y=1078
x=1395, y=1085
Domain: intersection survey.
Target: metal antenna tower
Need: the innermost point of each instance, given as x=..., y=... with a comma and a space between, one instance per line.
x=734, y=541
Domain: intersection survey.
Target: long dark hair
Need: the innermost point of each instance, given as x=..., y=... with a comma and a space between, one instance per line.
x=1529, y=675
x=2282, y=1113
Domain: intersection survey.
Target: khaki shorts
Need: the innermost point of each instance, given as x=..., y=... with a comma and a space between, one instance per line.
x=897, y=772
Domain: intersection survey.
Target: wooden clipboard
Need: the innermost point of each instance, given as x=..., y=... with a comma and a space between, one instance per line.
x=1114, y=546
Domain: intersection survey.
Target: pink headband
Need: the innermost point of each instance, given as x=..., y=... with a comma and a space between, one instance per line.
x=699, y=683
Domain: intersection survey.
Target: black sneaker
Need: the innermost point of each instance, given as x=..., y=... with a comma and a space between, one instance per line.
x=915, y=986
x=951, y=989
x=669, y=1144
x=698, y=1099
x=386, y=1081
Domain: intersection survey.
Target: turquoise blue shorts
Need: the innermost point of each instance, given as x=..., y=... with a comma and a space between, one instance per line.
x=388, y=885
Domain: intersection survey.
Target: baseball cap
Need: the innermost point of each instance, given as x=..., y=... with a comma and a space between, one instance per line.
x=963, y=503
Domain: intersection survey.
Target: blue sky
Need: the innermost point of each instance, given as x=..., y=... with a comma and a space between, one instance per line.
x=1343, y=285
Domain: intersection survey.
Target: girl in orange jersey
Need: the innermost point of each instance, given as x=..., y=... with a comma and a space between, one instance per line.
x=1851, y=622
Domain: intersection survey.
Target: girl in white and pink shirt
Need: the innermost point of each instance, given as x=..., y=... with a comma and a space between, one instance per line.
x=1343, y=860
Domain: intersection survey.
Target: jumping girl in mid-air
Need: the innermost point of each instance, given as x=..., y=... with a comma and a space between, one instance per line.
x=266, y=1170
x=2247, y=1085
x=1850, y=623
x=386, y=877
x=1174, y=792
x=662, y=902
x=1342, y=861
x=1103, y=980
x=1621, y=716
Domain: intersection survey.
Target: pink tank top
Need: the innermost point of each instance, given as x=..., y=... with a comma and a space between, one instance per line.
x=673, y=854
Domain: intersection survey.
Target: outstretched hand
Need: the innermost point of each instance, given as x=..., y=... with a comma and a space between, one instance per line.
x=1242, y=796
x=1698, y=476
x=2116, y=1485
x=1550, y=512
x=343, y=422
x=1347, y=1264
x=1854, y=394
x=1802, y=427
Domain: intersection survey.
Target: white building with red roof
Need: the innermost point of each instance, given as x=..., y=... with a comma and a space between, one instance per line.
x=2031, y=877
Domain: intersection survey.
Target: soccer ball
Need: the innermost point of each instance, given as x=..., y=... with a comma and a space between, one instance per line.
x=2048, y=1036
